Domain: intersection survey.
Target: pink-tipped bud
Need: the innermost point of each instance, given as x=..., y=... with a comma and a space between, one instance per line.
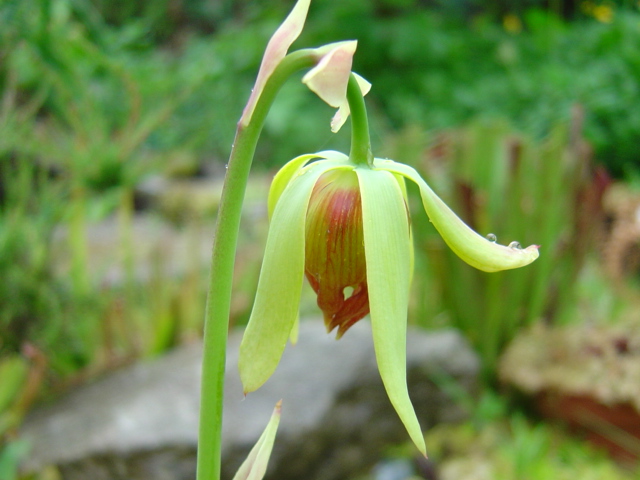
x=334, y=251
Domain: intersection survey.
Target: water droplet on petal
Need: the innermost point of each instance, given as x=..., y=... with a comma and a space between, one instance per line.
x=515, y=245
x=492, y=237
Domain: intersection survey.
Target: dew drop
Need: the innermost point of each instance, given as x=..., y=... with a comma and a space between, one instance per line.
x=492, y=237
x=515, y=245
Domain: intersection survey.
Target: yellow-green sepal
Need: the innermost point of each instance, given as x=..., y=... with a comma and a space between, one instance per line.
x=388, y=253
x=471, y=247
x=275, y=308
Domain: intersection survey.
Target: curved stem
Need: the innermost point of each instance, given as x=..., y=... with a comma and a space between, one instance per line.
x=216, y=323
x=360, y=142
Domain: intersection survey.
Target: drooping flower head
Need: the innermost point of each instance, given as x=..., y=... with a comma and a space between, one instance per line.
x=343, y=222
x=346, y=227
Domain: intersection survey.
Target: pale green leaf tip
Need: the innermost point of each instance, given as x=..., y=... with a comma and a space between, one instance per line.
x=407, y=414
x=255, y=465
x=494, y=257
x=276, y=50
x=417, y=437
x=422, y=448
x=249, y=384
x=293, y=336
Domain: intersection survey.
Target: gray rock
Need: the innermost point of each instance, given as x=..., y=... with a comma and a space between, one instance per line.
x=395, y=469
x=142, y=422
x=155, y=245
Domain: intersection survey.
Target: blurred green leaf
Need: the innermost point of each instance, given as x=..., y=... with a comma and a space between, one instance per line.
x=13, y=374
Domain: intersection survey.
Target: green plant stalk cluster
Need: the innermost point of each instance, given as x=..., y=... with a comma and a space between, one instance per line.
x=506, y=182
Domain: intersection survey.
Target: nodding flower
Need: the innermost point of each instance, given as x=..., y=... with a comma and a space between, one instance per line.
x=346, y=227
x=343, y=222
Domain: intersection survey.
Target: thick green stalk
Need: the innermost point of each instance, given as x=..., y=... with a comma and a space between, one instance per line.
x=360, y=142
x=222, y=262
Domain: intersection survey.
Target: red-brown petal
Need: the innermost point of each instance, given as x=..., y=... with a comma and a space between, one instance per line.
x=334, y=250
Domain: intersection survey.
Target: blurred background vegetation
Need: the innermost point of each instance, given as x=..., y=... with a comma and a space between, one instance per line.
x=118, y=116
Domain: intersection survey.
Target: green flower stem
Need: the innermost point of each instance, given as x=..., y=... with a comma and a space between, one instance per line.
x=360, y=142
x=222, y=261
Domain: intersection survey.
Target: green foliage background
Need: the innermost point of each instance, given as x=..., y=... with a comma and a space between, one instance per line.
x=435, y=64
x=98, y=95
